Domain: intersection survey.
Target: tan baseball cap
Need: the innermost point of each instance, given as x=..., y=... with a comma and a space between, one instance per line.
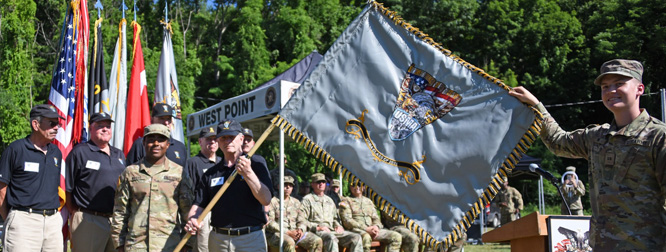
x=629, y=68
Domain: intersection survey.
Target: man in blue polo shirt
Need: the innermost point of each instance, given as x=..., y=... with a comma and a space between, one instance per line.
x=29, y=179
x=196, y=166
x=160, y=114
x=237, y=219
x=93, y=169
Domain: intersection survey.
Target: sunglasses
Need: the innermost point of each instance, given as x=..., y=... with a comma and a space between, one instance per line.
x=53, y=123
x=320, y=182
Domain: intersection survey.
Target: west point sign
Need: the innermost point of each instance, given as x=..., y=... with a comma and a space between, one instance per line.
x=255, y=104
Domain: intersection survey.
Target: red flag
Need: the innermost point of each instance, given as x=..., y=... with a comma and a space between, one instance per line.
x=138, y=113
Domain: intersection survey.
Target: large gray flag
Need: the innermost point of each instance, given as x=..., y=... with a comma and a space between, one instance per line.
x=427, y=132
x=166, y=86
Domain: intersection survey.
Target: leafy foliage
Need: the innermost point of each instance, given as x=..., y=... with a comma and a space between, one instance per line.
x=226, y=47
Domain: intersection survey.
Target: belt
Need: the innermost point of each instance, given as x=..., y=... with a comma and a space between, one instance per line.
x=237, y=231
x=107, y=215
x=44, y=212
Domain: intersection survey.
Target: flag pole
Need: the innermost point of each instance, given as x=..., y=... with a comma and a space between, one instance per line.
x=226, y=184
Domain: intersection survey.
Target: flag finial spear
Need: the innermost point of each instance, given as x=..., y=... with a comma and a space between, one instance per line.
x=134, y=10
x=99, y=7
x=166, y=12
x=123, y=7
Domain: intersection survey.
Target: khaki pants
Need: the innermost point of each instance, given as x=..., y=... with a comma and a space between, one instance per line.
x=90, y=233
x=202, y=235
x=32, y=232
x=252, y=242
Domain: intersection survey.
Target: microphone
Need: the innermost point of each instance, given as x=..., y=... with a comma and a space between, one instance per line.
x=549, y=176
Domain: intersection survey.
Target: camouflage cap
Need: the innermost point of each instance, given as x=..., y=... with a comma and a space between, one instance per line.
x=336, y=182
x=157, y=128
x=571, y=169
x=289, y=180
x=317, y=177
x=629, y=68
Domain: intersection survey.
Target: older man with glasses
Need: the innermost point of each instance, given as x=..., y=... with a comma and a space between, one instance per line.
x=29, y=179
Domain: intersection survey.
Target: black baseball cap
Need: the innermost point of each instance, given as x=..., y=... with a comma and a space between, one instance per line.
x=44, y=110
x=229, y=128
x=162, y=109
x=248, y=132
x=208, y=131
x=100, y=117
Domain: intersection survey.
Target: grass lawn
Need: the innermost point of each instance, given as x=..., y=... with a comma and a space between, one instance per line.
x=487, y=247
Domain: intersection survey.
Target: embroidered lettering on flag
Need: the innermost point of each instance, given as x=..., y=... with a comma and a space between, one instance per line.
x=429, y=134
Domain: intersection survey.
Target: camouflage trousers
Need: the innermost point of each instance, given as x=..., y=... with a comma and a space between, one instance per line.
x=347, y=239
x=393, y=239
x=507, y=217
x=457, y=246
x=311, y=242
x=410, y=241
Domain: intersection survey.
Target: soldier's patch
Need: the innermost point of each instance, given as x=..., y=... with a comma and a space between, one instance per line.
x=177, y=154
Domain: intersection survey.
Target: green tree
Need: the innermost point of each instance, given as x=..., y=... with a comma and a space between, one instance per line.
x=16, y=35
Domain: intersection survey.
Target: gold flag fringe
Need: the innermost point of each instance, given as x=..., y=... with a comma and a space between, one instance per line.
x=488, y=194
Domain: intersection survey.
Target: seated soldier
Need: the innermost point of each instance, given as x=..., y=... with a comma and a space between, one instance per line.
x=359, y=215
x=295, y=225
x=323, y=219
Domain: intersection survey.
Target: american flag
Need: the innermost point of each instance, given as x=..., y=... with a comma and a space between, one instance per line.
x=68, y=88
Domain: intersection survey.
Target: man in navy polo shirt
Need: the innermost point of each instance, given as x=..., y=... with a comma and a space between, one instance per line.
x=162, y=114
x=93, y=169
x=237, y=219
x=196, y=166
x=29, y=179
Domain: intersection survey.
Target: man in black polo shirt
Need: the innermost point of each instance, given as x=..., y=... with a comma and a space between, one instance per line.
x=162, y=114
x=93, y=169
x=238, y=217
x=29, y=179
x=196, y=166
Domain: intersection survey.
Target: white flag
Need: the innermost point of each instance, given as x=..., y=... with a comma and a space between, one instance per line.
x=118, y=88
x=166, y=87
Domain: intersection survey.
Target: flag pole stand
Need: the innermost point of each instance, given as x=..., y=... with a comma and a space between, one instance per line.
x=226, y=184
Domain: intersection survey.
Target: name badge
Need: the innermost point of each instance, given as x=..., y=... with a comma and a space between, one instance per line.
x=216, y=181
x=92, y=165
x=31, y=167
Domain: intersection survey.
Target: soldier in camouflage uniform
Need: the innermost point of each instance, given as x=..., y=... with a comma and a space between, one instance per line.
x=152, y=199
x=359, y=215
x=626, y=160
x=572, y=189
x=322, y=214
x=295, y=224
x=410, y=241
x=510, y=202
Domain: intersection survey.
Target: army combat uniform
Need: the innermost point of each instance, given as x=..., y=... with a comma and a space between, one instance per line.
x=294, y=219
x=513, y=199
x=627, y=179
x=321, y=211
x=151, y=207
x=359, y=213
